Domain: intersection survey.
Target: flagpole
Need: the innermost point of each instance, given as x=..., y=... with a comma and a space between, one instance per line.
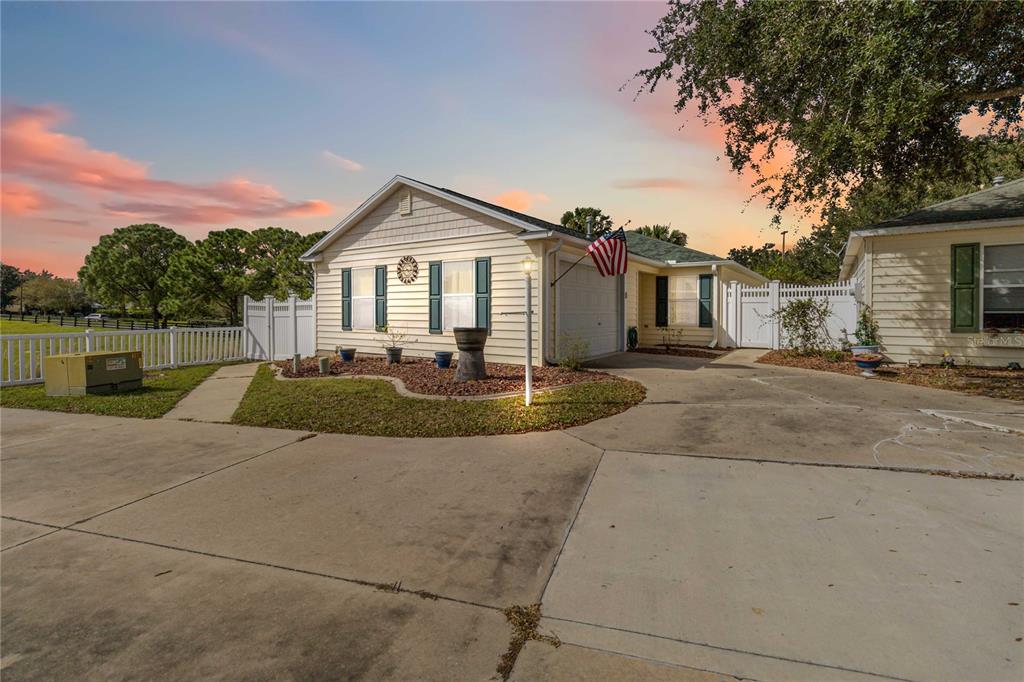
x=570, y=268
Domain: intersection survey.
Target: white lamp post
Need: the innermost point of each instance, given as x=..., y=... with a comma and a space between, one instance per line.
x=528, y=266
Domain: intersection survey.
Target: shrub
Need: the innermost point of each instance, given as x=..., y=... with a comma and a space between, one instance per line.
x=867, y=327
x=574, y=349
x=804, y=326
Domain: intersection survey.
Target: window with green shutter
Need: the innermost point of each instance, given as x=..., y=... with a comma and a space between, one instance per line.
x=346, y=299
x=963, y=294
x=661, y=301
x=434, y=294
x=704, y=309
x=483, y=293
x=380, y=296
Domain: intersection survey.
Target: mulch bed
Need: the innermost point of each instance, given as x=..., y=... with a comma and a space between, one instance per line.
x=421, y=375
x=685, y=351
x=994, y=383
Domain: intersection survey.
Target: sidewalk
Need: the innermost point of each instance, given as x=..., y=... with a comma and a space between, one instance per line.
x=217, y=398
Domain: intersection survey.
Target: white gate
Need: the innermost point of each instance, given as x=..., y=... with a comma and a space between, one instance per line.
x=277, y=330
x=749, y=311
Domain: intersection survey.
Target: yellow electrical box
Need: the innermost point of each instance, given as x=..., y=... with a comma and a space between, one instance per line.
x=93, y=373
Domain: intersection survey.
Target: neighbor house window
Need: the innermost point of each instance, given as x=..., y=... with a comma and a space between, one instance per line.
x=362, y=298
x=458, y=294
x=1003, y=287
x=682, y=301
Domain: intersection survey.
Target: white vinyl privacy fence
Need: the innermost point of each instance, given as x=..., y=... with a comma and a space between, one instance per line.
x=749, y=320
x=21, y=355
x=277, y=330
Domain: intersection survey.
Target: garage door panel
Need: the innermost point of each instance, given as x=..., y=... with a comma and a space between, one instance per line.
x=589, y=308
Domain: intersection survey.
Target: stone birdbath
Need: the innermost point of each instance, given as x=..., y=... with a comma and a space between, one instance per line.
x=471, y=341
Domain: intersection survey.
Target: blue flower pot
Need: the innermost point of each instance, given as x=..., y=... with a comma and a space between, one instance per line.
x=443, y=359
x=347, y=354
x=869, y=366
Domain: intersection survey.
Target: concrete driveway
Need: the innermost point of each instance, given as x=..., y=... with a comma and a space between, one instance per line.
x=745, y=521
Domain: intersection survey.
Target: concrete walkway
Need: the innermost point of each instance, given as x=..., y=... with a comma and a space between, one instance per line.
x=217, y=398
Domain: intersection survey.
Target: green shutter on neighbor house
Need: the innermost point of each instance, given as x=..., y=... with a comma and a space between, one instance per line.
x=434, y=292
x=963, y=290
x=661, y=301
x=704, y=312
x=380, y=296
x=346, y=299
x=483, y=293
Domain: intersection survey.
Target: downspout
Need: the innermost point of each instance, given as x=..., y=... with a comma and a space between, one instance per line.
x=715, y=306
x=550, y=318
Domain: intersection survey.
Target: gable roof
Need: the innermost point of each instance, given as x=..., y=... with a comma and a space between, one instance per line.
x=656, y=249
x=639, y=245
x=994, y=203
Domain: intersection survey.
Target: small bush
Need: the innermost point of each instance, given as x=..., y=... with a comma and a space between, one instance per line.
x=804, y=326
x=574, y=350
x=867, y=328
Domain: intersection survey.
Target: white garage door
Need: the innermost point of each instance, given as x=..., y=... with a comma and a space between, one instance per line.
x=588, y=306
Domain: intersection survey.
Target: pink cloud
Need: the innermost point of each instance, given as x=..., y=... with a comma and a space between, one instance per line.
x=33, y=148
x=653, y=183
x=19, y=198
x=342, y=162
x=518, y=199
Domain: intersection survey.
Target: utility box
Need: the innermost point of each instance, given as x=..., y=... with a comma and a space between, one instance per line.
x=99, y=373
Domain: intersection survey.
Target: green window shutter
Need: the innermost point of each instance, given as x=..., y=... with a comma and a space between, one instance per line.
x=704, y=311
x=346, y=299
x=483, y=293
x=963, y=277
x=380, y=296
x=661, y=301
x=434, y=291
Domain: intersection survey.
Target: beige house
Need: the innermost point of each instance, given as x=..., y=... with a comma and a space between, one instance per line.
x=949, y=277
x=424, y=260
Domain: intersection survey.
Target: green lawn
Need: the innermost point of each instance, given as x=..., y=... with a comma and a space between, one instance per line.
x=372, y=407
x=19, y=327
x=160, y=391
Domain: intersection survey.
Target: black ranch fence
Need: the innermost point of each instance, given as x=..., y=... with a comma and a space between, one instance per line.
x=107, y=322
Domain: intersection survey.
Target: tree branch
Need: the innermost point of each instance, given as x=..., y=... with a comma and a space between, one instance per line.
x=1015, y=91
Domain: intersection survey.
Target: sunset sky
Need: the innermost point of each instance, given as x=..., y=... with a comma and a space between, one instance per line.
x=203, y=116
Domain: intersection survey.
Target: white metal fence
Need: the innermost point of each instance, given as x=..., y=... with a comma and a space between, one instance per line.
x=749, y=320
x=21, y=355
x=277, y=330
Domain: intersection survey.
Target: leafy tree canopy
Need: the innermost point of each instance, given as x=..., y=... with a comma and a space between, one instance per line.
x=129, y=265
x=276, y=268
x=54, y=295
x=577, y=218
x=10, y=279
x=663, y=232
x=817, y=256
x=214, y=272
x=856, y=92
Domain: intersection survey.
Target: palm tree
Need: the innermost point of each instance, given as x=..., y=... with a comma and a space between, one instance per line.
x=663, y=232
x=576, y=219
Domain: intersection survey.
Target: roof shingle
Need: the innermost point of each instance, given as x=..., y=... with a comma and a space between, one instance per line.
x=1000, y=201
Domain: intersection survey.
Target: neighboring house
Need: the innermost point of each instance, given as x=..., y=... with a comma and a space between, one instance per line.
x=949, y=277
x=424, y=259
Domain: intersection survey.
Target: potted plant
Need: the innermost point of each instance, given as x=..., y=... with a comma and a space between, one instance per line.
x=347, y=354
x=443, y=359
x=866, y=333
x=393, y=340
x=868, y=362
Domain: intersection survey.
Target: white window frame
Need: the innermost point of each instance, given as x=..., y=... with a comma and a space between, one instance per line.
x=371, y=297
x=984, y=250
x=677, y=299
x=445, y=326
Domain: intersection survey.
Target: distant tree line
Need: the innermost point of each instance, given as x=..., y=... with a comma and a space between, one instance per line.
x=153, y=268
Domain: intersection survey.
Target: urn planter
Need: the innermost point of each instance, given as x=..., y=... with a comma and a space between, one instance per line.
x=868, y=362
x=471, y=342
x=443, y=359
x=394, y=355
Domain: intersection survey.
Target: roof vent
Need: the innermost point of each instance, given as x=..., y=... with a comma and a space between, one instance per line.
x=998, y=180
x=405, y=204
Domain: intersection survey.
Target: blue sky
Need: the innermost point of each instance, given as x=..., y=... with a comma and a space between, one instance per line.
x=208, y=115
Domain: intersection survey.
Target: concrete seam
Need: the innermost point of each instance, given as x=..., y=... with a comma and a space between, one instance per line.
x=826, y=465
x=572, y=524
x=729, y=649
x=301, y=438
x=380, y=586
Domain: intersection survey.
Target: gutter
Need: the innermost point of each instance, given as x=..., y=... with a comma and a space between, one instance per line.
x=549, y=327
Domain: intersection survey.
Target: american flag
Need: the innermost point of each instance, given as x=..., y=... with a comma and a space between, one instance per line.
x=610, y=253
